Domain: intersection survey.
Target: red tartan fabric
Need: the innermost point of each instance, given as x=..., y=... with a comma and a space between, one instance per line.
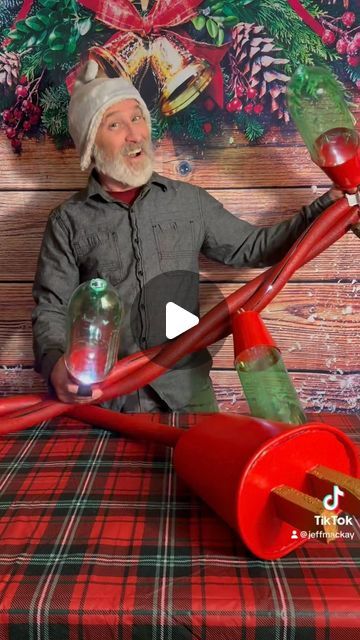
x=101, y=541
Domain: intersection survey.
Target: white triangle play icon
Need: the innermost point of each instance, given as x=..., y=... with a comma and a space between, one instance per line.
x=178, y=320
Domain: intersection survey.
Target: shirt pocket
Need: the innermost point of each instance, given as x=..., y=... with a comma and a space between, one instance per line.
x=99, y=256
x=175, y=243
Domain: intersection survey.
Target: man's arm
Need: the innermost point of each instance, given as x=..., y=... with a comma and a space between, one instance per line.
x=238, y=243
x=57, y=276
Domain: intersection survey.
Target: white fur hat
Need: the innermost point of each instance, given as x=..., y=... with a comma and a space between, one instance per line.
x=91, y=96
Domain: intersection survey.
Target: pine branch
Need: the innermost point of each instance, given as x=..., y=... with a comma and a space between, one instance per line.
x=299, y=43
x=54, y=102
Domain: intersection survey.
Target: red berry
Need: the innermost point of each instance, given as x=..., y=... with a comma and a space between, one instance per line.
x=10, y=132
x=357, y=38
x=249, y=107
x=209, y=104
x=207, y=127
x=258, y=108
x=353, y=60
x=328, y=37
x=7, y=115
x=23, y=80
x=21, y=91
x=16, y=144
x=240, y=91
x=233, y=105
x=34, y=119
x=27, y=125
x=27, y=105
x=348, y=18
x=341, y=45
x=36, y=109
x=251, y=93
x=353, y=48
x=18, y=114
x=239, y=107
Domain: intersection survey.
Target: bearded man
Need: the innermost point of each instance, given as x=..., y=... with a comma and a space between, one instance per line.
x=131, y=225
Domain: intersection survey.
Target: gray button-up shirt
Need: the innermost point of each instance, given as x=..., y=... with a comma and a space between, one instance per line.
x=163, y=231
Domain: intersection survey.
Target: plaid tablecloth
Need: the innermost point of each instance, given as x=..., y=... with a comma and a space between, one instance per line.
x=101, y=541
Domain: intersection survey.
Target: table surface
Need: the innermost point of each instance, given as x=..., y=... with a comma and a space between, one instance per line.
x=100, y=540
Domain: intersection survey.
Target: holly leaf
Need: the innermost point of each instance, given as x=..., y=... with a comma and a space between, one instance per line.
x=57, y=46
x=72, y=43
x=22, y=27
x=49, y=4
x=212, y=28
x=199, y=22
x=34, y=23
x=42, y=37
x=83, y=26
x=45, y=19
x=48, y=57
x=29, y=43
x=15, y=35
x=220, y=37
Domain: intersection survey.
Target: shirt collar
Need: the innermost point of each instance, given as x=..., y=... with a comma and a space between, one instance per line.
x=94, y=188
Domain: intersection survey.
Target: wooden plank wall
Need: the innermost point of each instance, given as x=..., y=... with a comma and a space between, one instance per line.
x=315, y=319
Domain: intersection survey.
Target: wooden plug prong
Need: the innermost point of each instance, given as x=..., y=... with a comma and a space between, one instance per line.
x=300, y=510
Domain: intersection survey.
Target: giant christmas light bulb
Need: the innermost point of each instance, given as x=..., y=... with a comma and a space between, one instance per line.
x=93, y=330
x=318, y=107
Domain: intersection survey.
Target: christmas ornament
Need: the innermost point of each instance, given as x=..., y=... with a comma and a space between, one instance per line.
x=183, y=68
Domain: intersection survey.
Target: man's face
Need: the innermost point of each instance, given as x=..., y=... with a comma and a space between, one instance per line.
x=123, y=149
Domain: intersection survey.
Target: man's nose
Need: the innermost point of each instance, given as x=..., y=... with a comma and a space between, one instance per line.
x=133, y=133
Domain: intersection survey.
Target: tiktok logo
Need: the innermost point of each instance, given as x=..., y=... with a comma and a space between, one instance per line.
x=331, y=501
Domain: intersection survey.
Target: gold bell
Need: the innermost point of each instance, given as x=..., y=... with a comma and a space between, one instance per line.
x=125, y=55
x=180, y=75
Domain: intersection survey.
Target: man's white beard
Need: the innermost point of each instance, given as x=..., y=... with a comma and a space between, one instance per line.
x=117, y=169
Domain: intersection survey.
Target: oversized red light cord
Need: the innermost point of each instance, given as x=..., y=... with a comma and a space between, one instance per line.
x=137, y=370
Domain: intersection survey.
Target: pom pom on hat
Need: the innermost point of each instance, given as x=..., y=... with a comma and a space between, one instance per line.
x=93, y=93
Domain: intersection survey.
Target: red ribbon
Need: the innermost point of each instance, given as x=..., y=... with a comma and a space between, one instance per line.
x=122, y=15
x=306, y=17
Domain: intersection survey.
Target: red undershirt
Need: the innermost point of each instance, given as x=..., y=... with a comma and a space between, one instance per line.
x=128, y=197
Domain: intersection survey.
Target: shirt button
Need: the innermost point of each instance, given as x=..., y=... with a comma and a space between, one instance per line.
x=142, y=306
x=140, y=273
x=136, y=241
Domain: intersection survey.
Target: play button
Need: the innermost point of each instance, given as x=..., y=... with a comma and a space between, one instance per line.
x=178, y=320
x=169, y=305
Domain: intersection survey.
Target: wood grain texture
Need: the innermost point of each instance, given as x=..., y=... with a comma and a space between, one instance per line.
x=23, y=216
x=317, y=326
x=319, y=392
x=42, y=166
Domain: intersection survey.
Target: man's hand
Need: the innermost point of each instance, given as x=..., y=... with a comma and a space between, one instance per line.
x=336, y=193
x=66, y=389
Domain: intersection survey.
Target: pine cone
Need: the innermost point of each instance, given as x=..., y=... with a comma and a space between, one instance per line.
x=9, y=68
x=254, y=66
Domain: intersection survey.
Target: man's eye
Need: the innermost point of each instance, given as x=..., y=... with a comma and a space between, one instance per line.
x=114, y=125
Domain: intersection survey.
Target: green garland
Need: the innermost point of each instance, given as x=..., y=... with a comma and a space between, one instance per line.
x=54, y=33
x=57, y=34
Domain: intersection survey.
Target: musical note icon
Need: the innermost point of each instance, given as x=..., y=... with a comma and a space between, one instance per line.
x=331, y=500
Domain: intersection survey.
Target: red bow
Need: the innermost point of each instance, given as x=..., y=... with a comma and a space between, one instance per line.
x=122, y=15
